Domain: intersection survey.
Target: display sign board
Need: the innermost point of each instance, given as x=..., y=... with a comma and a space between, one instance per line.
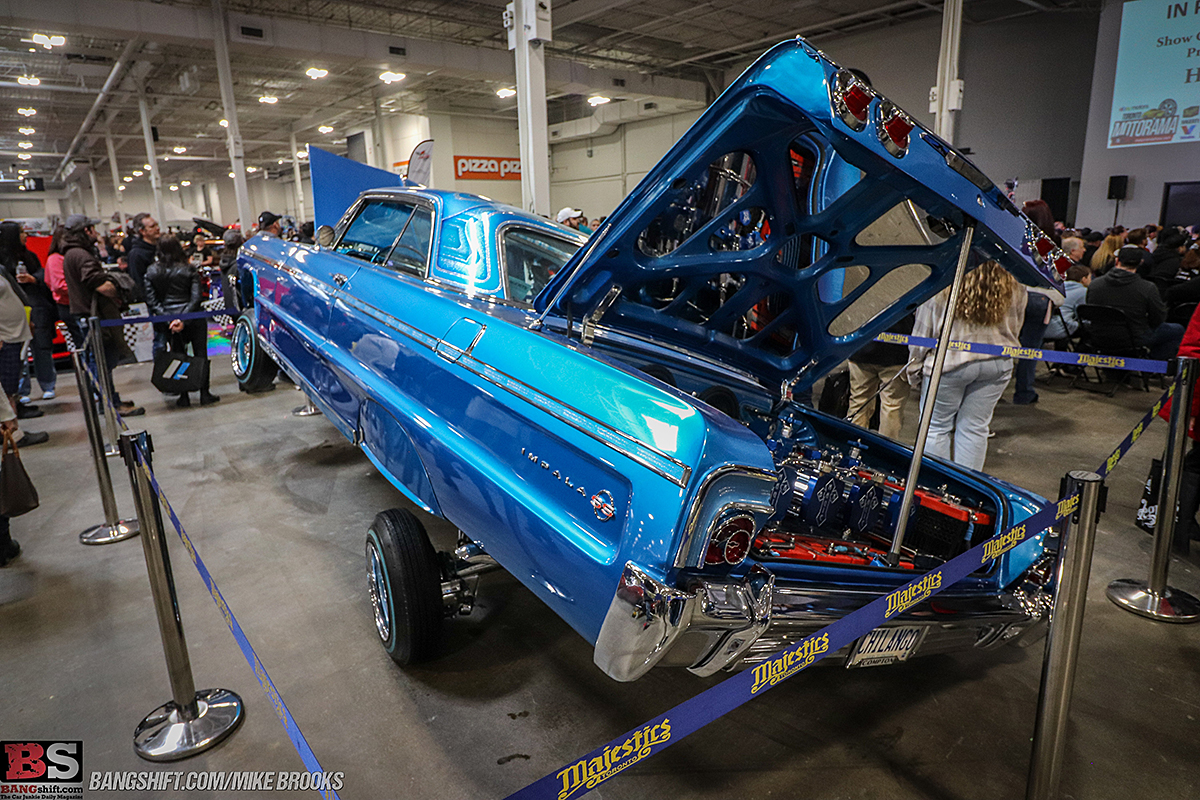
x=1156, y=95
x=487, y=168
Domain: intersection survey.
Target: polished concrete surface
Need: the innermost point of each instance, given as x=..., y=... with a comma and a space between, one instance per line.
x=277, y=506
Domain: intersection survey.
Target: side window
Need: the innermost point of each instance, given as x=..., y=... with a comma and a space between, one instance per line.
x=371, y=234
x=532, y=259
x=412, y=248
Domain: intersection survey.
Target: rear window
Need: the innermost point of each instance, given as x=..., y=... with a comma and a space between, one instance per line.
x=531, y=259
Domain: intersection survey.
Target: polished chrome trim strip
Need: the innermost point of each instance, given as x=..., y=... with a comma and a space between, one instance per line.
x=688, y=538
x=672, y=469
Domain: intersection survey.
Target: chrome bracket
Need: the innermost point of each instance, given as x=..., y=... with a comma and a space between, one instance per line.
x=588, y=328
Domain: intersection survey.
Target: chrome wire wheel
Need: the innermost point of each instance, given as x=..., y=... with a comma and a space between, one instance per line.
x=242, y=350
x=377, y=588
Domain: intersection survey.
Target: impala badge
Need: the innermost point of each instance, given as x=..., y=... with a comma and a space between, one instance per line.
x=602, y=504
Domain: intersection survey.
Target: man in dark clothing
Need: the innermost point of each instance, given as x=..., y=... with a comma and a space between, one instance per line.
x=1122, y=288
x=92, y=292
x=140, y=250
x=1166, y=260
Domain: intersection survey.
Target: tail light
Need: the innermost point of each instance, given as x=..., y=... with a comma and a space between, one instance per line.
x=851, y=98
x=730, y=543
x=894, y=128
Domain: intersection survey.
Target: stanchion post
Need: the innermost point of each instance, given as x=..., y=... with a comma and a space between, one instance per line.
x=101, y=361
x=306, y=410
x=1062, y=644
x=113, y=529
x=1153, y=598
x=192, y=721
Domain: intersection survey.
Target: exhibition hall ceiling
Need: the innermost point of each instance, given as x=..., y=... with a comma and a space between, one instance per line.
x=278, y=93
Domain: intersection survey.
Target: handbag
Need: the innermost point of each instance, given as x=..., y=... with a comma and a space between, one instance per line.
x=17, y=494
x=176, y=372
x=1147, y=513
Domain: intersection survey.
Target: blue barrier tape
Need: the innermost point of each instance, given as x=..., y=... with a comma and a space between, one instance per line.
x=114, y=323
x=281, y=710
x=652, y=737
x=1033, y=354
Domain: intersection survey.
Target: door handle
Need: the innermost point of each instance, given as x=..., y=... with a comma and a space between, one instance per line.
x=340, y=279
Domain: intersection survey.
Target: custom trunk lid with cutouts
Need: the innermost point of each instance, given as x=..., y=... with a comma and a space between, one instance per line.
x=796, y=220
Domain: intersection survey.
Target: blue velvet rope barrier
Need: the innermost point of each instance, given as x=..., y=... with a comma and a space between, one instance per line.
x=1033, y=354
x=281, y=710
x=580, y=776
x=114, y=323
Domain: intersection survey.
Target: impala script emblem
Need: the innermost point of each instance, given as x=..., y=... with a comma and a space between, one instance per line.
x=602, y=501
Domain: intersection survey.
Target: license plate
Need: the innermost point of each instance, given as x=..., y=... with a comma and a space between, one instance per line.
x=886, y=646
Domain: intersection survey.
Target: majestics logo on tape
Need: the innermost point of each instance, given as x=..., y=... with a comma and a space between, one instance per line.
x=590, y=772
x=788, y=664
x=909, y=596
x=1002, y=544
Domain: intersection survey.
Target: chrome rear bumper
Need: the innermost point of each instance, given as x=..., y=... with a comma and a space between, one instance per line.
x=714, y=626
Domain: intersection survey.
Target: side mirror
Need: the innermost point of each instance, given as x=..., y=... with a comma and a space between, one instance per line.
x=325, y=236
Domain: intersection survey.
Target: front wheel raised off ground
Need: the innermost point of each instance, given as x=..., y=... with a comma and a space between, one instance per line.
x=404, y=579
x=254, y=369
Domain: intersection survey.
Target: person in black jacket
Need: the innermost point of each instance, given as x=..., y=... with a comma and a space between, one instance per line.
x=26, y=268
x=139, y=249
x=1122, y=288
x=173, y=287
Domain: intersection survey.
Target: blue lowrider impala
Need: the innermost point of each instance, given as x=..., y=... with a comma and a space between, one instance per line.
x=618, y=422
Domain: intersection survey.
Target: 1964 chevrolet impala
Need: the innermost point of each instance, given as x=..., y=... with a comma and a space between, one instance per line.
x=615, y=421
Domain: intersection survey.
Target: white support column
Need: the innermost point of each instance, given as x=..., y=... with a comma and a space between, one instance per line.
x=95, y=194
x=528, y=22
x=237, y=156
x=378, y=148
x=300, y=212
x=118, y=196
x=152, y=160
x=949, y=88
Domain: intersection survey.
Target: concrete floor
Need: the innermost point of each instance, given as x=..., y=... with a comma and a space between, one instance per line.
x=278, y=505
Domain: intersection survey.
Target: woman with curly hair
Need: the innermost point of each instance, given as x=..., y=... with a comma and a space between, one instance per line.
x=991, y=308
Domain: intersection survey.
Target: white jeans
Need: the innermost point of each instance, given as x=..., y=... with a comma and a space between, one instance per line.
x=962, y=412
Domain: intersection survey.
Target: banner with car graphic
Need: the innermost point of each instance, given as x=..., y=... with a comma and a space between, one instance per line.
x=1156, y=94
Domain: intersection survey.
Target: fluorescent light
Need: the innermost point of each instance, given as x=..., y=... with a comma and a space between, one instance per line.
x=390, y=77
x=49, y=41
x=24, y=156
x=173, y=188
x=26, y=112
x=185, y=183
x=179, y=148
x=252, y=170
x=22, y=172
x=26, y=131
x=506, y=92
x=326, y=129
x=598, y=100
x=231, y=174
x=120, y=188
x=127, y=179
x=316, y=73
x=29, y=80
x=224, y=123
x=268, y=99
x=146, y=167
x=137, y=173
x=24, y=145
x=301, y=154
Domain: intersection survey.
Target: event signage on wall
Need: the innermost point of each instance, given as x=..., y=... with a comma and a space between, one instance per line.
x=1156, y=95
x=487, y=168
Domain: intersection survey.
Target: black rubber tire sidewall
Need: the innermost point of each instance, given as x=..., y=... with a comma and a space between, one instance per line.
x=413, y=578
x=263, y=369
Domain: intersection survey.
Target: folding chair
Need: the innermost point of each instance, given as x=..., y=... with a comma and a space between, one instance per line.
x=1108, y=332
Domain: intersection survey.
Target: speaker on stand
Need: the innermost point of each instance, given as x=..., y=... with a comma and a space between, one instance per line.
x=1118, y=185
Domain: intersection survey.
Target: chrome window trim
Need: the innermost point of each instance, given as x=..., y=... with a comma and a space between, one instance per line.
x=501, y=230
x=670, y=468
x=416, y=200
x=691, y=546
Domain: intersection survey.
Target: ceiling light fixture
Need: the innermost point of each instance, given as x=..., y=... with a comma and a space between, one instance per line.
x=598, y=100
x=147, y=167
x=231, y=174
x=391, y=77
x=24, y=156
x=49, y=41
x=185, y=183
x=301, y=154
x=24, y=145
x=127, y=179
x=26, y=131
x=252, y=170
x=268, y=99
x=29, y=80
x=326, y=129
x=26, y=112
x=22, y=172
x=173, y=187
x=316, y=73
x=224, y=123
x=505, y=92
x=120, y=188
x=137, y=173
x=179, y=148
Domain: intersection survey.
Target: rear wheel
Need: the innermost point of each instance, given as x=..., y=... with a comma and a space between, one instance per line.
x=405, y=583
x=253, y=368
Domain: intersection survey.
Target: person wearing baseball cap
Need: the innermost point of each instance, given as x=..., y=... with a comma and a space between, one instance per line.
x=268, y=222
x=1122, y=288
x=572, y=218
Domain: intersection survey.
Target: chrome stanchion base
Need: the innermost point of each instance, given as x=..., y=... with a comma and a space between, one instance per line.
x=107, y=534
x=111, y=450
x=306, y=410
x=1135, y=596
x=166, y=736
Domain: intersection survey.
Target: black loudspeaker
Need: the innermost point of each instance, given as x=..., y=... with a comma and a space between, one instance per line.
x=1117, y=185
